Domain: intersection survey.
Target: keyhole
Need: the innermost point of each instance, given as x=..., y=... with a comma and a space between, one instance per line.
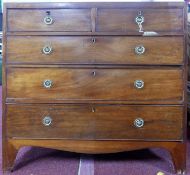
x=48, y=12
x=139, y=13
x=94, y=73
x=93, y=40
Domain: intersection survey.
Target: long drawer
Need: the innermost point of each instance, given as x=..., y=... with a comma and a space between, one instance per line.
x=104, y=19
x=95, y=122
x=95, y=50
x=160, y=85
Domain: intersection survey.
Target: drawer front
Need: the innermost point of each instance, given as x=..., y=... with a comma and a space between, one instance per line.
x=78, y=20
x=135, y=85
x=95, y=122
x=95, y=50
x=123, y=20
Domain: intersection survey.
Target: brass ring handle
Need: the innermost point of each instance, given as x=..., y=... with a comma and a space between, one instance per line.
x=139, y=50
x=139, y=19
x=47, y=83
x=48, y=20
x=139, y=122
x=139, y=84
x=47, y=50
x=47, y=121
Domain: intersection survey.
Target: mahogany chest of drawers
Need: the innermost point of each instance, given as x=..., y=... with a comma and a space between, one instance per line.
x=95, y=77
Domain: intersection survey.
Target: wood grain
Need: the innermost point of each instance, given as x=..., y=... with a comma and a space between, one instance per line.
x=176, y=149
x=111, y=5
x=115, y=20
x=64, y=20
x=93, y=101
x=105, y=50
x=95, y=84
x=95, y=122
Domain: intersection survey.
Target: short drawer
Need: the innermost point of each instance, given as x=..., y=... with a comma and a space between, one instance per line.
x=88, y=84
x=124, y=20
x=74, y=20
x=95, y=122
x=95, y=50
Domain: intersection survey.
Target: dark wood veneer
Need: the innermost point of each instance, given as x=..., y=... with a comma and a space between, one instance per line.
x=95, y=122
x=95, y=84
x=122, y=20
x=64, y=20
x=105, y=50
x=108, y=20
x=107, y=101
